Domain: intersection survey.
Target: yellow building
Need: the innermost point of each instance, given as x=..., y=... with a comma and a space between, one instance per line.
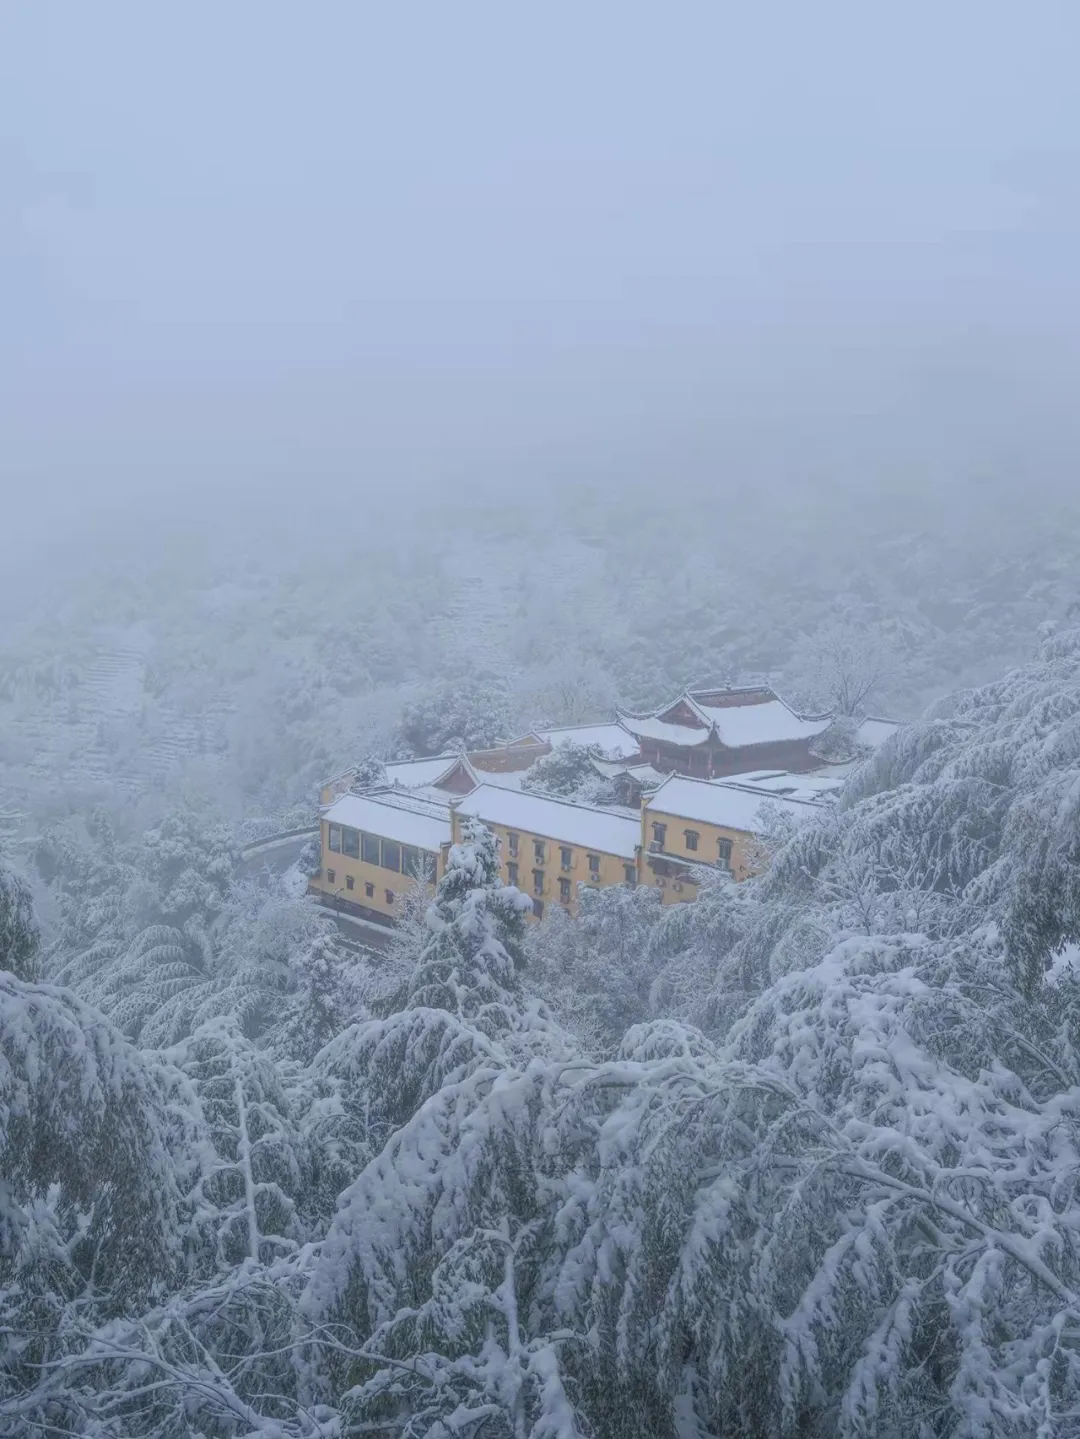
x=549, y=847
x=376, y=844
x=686, y=823
x=375, y=847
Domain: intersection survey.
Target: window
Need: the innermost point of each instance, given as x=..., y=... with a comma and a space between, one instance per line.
x=538, y=908
x=369, y=889
x=335, y=837
x=391, y=855
x=564, y=890
x=692, y=838
x=389, y=896
x=724, y=850
x=629, y=873
x=349, y=882
x=538, y=851
x=512, y=841
x=594, y=866
x=369, y=848
x=350, y=842
x=538, y=881
x=511, y=872
x=410, y=861
x=329, y=876
x=567, y=857
x=659, y=833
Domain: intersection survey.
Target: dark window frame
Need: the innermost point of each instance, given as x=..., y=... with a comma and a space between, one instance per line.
x=564, y=889
x=659, y=832
x=539, y=852
x=691, y=836
x=538, y=881
x=390, y=848
x=594, y=866
x=350, y=842
x=512, y=872
x=333, y=832
x=369, y=848
x=566, y=856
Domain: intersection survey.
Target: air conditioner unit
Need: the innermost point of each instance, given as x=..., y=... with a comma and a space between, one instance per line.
x=677, y=885
x=662, y=883
x=656, y=846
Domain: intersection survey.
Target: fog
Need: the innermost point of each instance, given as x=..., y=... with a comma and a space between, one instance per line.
x=246, y=246
x=539, y=720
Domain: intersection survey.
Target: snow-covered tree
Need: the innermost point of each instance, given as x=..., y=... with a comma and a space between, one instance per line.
x=19, y=938
x=568, y=772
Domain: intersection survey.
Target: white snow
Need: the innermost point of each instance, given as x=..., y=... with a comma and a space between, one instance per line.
x=410, y=773
x=605, y=831
x=771, y=722
x=614, y=739
x=645, y=727
x=721, y=803
x=874, y=731
x=404, y=818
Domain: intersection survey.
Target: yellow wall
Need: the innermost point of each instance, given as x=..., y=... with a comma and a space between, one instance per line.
x=706, y=853
x=611, y=870
x=343, y=866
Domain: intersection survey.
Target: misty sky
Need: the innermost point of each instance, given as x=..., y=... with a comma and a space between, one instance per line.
x=335, y=245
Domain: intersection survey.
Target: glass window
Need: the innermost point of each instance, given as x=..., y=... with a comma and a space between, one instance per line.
x=567, y=857
x=538, y=908
x=349, y=882
x=391, y=855
x=350, y=843
x=512, y=841
x=538, y=851
x=564, y=890
x=334, y=839
x=630, y=873
x=369, y=889
x=538, y=881
x=594, y=866
x=691, y=838
x=511, y=873
x=330, y=876
x=389, y=896
x=724, y=849
x=369, y=848
x=410, y=861
x=659, y=832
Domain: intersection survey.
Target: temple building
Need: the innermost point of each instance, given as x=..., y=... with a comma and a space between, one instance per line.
x=696, y=785
x=714, y=733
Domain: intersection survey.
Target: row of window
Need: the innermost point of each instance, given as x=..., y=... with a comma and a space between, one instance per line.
x=387, y=853
x=692, y=837
x=512, y=873
x=350, y=883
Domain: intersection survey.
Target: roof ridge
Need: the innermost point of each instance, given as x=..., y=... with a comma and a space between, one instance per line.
x=618, y=811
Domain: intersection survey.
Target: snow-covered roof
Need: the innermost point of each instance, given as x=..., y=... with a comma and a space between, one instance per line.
x=874, y=731
x=646, y=727
x=643, y=773
x=405, y=818
x=770, y=722
x=413, y=772
x=795, y=786
x=603, y=830
x=613, y=739
x=722, y=803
